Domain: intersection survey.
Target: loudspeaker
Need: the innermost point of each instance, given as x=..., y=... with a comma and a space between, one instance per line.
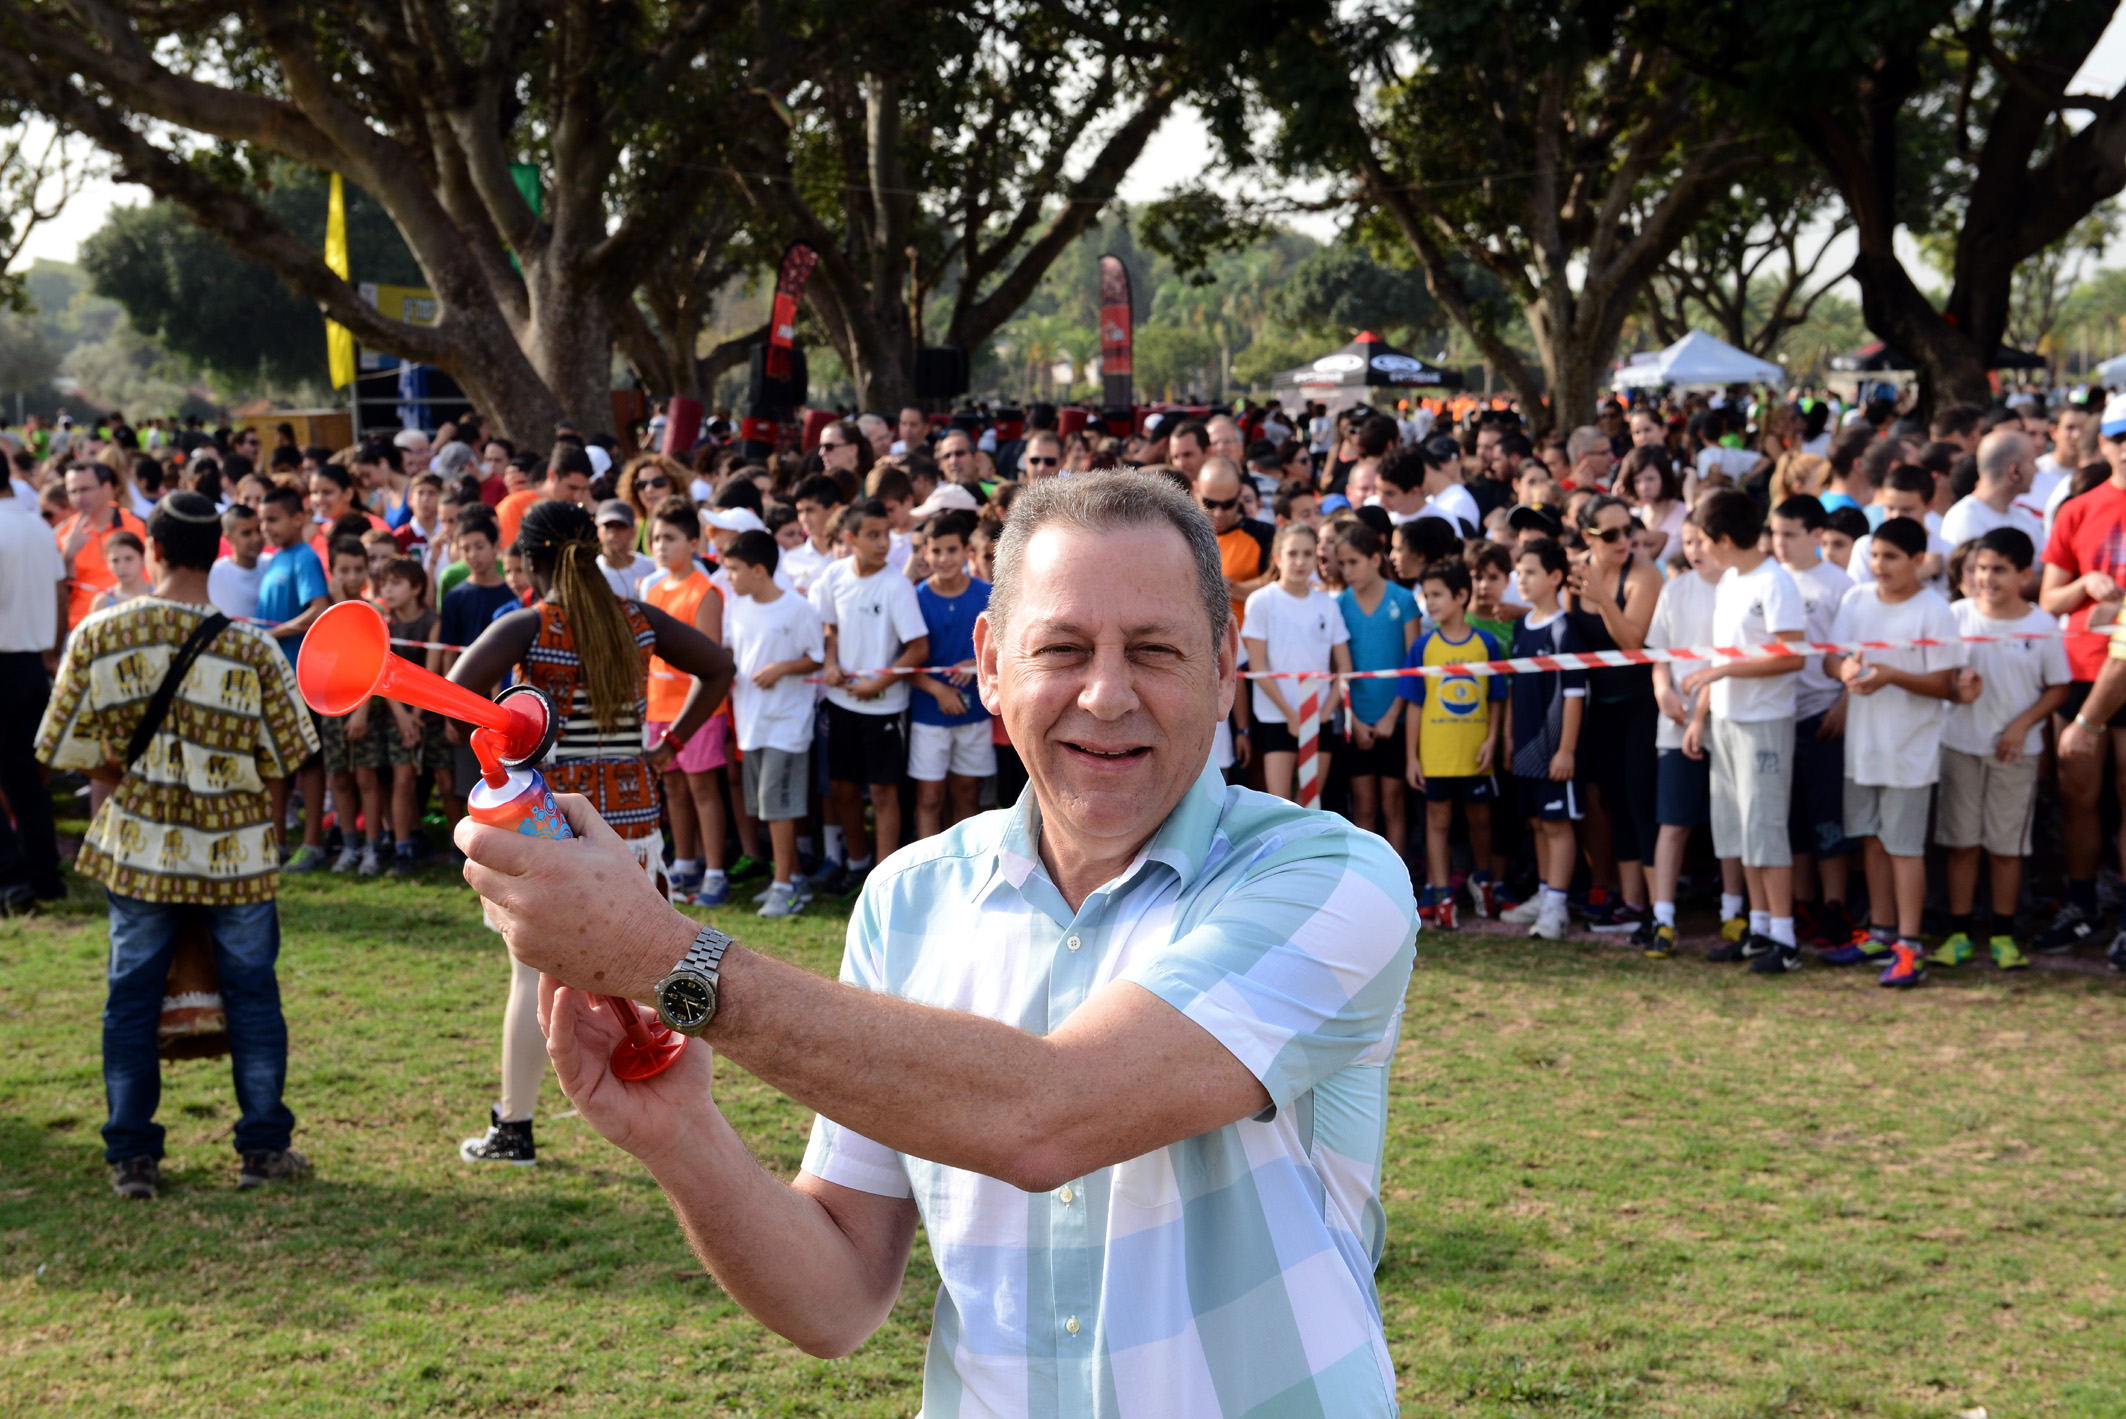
x=940, y=371
x=776, y=393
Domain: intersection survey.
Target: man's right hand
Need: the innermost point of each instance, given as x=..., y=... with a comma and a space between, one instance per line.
x=646, y=1117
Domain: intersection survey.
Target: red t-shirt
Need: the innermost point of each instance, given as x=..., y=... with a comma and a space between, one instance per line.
x=2089, y=535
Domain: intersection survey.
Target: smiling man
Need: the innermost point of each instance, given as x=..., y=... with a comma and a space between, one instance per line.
x=1122, y=1049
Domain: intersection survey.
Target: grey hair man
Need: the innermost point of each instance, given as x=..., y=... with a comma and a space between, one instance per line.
x=1009, y=986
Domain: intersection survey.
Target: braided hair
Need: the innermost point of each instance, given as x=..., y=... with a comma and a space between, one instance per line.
x=560, y=542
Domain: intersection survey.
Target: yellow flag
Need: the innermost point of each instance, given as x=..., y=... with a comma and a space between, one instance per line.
x=339, y=340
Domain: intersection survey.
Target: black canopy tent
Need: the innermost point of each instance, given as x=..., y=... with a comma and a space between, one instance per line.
x=1345, y=376
x=1878, y=357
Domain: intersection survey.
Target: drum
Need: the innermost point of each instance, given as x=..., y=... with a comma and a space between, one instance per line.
x=192, y=1024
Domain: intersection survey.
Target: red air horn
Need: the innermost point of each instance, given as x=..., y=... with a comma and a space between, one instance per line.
x=346, y=658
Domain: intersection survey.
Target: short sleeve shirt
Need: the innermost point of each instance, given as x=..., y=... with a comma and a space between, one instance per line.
x=950, y=620
x=1227, y=1274
x=293, y=579
x=1298, y=633
x=1754, y=608
x=874, y=618
x=2088, y=535
x=1893, y=737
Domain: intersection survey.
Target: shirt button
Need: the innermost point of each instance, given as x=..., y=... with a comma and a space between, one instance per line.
x=1071, y=1325
x=1066, y=1195
x=1073, y=943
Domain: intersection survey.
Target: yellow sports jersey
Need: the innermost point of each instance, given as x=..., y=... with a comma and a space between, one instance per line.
x=1454, y=711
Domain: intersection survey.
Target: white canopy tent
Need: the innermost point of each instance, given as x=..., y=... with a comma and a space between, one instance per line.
x=1697, y=359
x=2112, y=372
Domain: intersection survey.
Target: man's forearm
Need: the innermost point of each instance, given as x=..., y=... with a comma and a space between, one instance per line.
x=2105, y=696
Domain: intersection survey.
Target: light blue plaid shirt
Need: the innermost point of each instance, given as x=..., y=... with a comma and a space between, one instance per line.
x=1229, y=1274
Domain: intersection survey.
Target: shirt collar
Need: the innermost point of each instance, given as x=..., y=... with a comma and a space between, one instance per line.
x=1183, y=842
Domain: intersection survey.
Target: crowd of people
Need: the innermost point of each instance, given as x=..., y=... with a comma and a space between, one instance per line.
x=840, y=718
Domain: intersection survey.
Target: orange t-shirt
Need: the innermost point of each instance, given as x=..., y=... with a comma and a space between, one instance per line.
x=1241, y=557
x=510, y=512
x=679, y=599
x=92, y=576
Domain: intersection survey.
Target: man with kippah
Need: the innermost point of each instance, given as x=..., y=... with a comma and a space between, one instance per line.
x=189, y=715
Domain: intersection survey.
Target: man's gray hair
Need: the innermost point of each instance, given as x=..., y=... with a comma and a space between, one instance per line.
x=1585, y=440
x=1999, y=452
x=1108, y=502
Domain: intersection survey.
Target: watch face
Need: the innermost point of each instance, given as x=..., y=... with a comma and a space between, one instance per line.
x=688, y=1002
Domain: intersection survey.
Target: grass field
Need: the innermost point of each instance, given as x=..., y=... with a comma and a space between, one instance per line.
x=1615, y=1187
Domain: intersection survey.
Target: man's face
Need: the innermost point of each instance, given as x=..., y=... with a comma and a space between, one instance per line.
x=1225, y=441
x=246, y=540
x=413, y=460
x=1219, y=493
x=568, y=487
x=1186, y=453
x=956, y=457
x=914, y=424
x=1592, y=469
x=1043, y=458
x=247, y=444
x=1487, y=449
x=1898, y=503
x=1363, y=483
x=1108, y=680
x=493, y=459
x=86, y=493
x=2067, y=431
x=617, y=541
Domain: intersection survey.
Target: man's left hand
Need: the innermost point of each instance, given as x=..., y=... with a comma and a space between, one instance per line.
x=581, y=910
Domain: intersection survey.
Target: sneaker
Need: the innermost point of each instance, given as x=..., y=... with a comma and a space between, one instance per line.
x=502, y=1143
x=1550, y=923
x=2069, y=929
x=684, y=886
x=1525, y=913
x=137, y=1178
x=1622, y=916
x=371, y=863
x=261, y=1168
x=402, y=864
x=1957, y=950
x=1748, y=948
x=1483, y=898
x=780, y=903
x=1907, y=967
x=1862, y=948
x=1600, y=912
x=1734, y=929
x=1778, y=961
x=1805, y=917
x=1443, y=912
x=2008, y=956
x=1834, y=926
x=745, y=869
x=716, y=895
x=305, y=859
x=349, y=858
x=1660, y=943
x=830, y=881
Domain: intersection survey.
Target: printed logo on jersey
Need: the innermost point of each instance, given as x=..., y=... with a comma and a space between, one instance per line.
x=1460, y=695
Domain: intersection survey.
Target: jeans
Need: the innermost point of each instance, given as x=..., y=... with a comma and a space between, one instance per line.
x=29, y=846
x=247, y=940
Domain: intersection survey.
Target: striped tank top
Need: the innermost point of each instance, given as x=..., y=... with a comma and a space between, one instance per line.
x=605, y=767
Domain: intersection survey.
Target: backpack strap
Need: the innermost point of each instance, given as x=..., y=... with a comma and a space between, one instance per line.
x=181, y=665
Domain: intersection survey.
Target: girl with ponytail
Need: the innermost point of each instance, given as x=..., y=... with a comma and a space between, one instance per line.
x=589, y=651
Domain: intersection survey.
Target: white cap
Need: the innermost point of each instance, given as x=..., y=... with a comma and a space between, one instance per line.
x=946, y=497
x=2114, y=416
x=601, y=461
x=733, y=519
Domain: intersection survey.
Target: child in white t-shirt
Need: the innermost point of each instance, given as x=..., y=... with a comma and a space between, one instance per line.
x=1898, y=702
x=1683, y=618
x=1993, y=741
x=1289, y=626
x=775, y=639
x=1816, y=824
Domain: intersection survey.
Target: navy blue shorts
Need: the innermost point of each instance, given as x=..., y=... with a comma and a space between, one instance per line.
x=1477, y=788
x=1816, y=822
x=1683, y=790
x=1544, y=798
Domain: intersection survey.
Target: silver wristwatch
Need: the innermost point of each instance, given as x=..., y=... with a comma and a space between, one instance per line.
x=686, y=999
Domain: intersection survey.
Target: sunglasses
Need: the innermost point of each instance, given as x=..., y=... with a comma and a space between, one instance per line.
x=957, y=453
x=825, y=447
x=655, y=483
x=1608, y=534
x=1221, y=504
x=1033, y=462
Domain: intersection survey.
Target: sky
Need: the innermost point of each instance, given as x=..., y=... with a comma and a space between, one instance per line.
x=1175, y=155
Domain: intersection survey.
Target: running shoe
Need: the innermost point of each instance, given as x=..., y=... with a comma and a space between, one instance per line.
x=350, y=858
x=1444, y=917
x=1623, y=916
x=1778, y=961
x=1907, y=966
x=371, y=863
x=713, y=894
x=1749, y=948
x=1642, y=935
x=1957, y=950
x=1734, y=928
x=1483, y=897
x=1550, y=923
x=684, y=885
x=1863, y=948
x=306, y=859
x=1834, y=925
x=2069, y=929
x=506, y=1141
x=1805, y=917
x=2008, y=956
x=1662, y=945
x=137, y=1178
x=780, y=901
x=1526, y=912
x=745, y=869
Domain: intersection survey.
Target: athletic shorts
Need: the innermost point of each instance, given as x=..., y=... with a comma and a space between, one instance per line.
x=1816, y=823
x=1477, y=788
x=1272, y=736
x=710, y=748
x=1896, y=816
x=1543, y=798
x=1986, y=803
x=865, y=748
x=773, y=783
x=965, y=750
x=1383, y=760
x=1753, y=789
x=1683, y=790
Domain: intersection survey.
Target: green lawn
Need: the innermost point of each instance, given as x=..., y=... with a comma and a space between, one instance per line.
x=1614, y=1187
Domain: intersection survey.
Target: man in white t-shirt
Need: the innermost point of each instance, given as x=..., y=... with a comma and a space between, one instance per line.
x=874, y=625
x=232, y=583
x=1746, y=724
x=1897, y=702
x=2005, y=468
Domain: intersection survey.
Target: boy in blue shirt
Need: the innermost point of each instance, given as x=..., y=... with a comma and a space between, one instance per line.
x=1543, y=712
x=949, y=745
x=291, y=594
